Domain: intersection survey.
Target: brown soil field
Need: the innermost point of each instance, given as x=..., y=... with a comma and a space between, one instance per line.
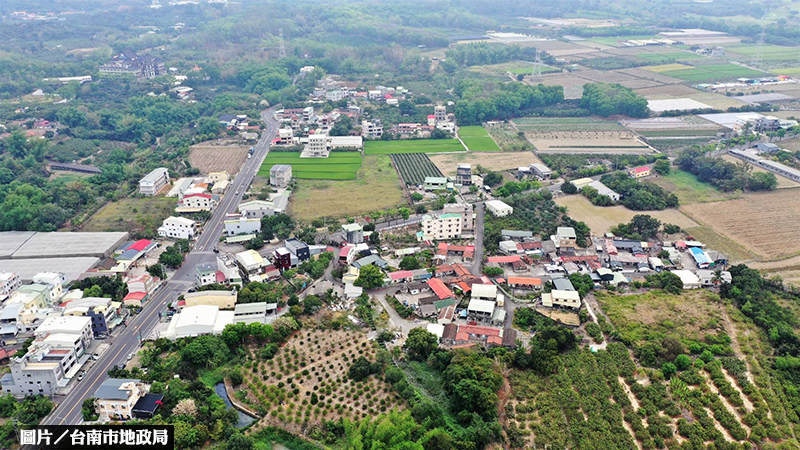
x=601, y=219
x=620, y=142
x=218, y=158
x=491, y=161
x=573, y=84
x=605, y=76
x=764, y=223
x=649, y=75
x=790, y=144
x=307, y=380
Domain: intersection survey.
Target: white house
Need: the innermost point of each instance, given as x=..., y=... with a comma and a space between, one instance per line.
x=441, y=227
x=484, y=292
x=178, y=228
x=564, y=299
x=242, y=225
x=198, y=320
x=154, y=181
x=499, y=208
x=202, y=202
x=688, y=278
x=9, y=282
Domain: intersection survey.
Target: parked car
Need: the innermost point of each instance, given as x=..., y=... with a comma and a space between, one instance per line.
x=81, y=375
x=95, y=356
x=131, y=355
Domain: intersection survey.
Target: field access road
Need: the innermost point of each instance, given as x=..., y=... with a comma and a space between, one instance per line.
x=68, y=408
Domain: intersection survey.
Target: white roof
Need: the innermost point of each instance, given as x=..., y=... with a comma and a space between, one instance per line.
x=249, y=258
x=687, y=277
x=484, y=290
x=484, y=306
x=64, y=324
x=497, y=205
x=179, y=220
x=437, y=329
x=565, y=295
x=255, y=205
x=203, y=319
x=154, y=175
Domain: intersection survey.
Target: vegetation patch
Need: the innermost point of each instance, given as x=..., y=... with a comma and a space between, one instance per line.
x=136, y=215
x=477, y=139
x=415, y=167
x=412, y=146
x=337, y=166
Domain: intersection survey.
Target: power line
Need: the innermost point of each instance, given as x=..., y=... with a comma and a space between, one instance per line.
x=536, y=74
x=282, y=48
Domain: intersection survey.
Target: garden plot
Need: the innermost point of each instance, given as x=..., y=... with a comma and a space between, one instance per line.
x=763, y=223
x=218, y=158
x=573, y=84
x=337, y=166
x=307, y=381
x=606, y=142
x=601, y=219
x=550, y=124
x=640, y=72
x=415, y=167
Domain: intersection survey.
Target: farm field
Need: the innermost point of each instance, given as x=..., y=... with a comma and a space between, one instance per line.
x=477, y=139
x=744, y=220
x=131, y=214
x=706, y=73
x=513, y=67
x=307, y=381
x=791, y=144
x=68, y=176
x=605, y=142
x=783, y=182
x=791, y=71
x=690, y=190
x=338, y=166
x=218, y=158
x=546, y=124
x=412, y=146
x=716, y=241
x=413, y=168
x=601, y=219
x=659, y=58
x=768, y=52
x=507, y=138
x=497, y=162
x=375, y=187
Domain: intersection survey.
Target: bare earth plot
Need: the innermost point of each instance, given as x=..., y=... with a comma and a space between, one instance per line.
x=601, y=219
x=763, y=223
x=573, y=84
x=649, y=75
x=218, y=158
x=606, y=142
x=790, y=144
x=495, y=161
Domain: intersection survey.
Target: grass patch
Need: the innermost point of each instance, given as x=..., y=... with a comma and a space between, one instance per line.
x=412, y=146
x=212, y=377
x=691, y=190
x=601, y=218
x=477, y=139
x=668, y=67
x=769, y=52
x=790, y=71
x=132, y=214
x=376, y=186
x=711, y=72
x=338, y=166
x=677, y=132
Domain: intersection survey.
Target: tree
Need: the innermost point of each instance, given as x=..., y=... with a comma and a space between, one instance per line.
x=493, y=271
x=369, y=277
x=662, y=166
x=416, y=196
x=493, y=179
x=254, y=244
x=238, y=441
x=8, y=406
x=311, y=305
x=362, y=368
x=668, y=370
x=409, y=262
x=645, y=225
x=173, y=259
x=420, y=344
x=568, y=188
x=88, y=410
x=671, y=229
x=683, y=362
x=33, y=409
x=93, y=291
x=158, y=271
x=667, y=281
x=375, y=238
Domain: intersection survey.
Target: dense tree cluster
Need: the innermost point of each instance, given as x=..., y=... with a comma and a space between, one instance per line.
x=478, y=104
x=481, y=53
x=605, y=99
x=639, y=196
x=641, y=227
x=725, y=176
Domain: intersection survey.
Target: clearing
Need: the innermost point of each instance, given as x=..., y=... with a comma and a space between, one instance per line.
x=745, y=220
x=496, y=162
x=412, y=146
x=131, y=214
x=307, y=381
x=375, y=187
x=477, y=139
x=218, y=158
x=337, y=166
x=690, y=190
x=601, y=218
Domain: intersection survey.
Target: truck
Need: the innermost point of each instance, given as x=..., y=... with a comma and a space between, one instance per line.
x=252, y=149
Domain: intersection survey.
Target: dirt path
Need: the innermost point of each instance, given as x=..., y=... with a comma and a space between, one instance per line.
x=725, y=402
x=631, y=432
x=730, y=329
x=631, y=397
x=504, y=394
x=719, y=427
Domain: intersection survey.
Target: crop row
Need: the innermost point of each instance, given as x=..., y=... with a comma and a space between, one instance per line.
x=414, y=167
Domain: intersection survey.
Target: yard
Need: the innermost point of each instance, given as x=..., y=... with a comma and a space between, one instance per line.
x=337, y=166
x=600, y=219
x=132, y=214
x=218, y=158
x=498, y=162
x=477, y=139
x=412, y=146
x=764, y=223
x=307, y=381
x=375, y=187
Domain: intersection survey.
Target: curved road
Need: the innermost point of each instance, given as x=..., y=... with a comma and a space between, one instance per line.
x=68, y=409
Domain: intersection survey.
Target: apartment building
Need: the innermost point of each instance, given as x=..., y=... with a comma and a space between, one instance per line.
x=280, y=175
x=178, y=228
x=441, y=227
x=154, y=181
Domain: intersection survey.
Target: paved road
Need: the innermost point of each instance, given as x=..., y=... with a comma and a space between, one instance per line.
x=480, y=210
x=68, y=409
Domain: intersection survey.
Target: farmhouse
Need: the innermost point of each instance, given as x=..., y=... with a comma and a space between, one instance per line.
x=639, y=172
x=565, y=240
x=581, y=182
x=464, y=174
x=438, y=287
x=564, y=299
x=602, y=189
x=196, y=202
x=481, y=310
x=541, y=171
x=524, y=283
x=689, y=279
x=353, y=232
x=280, y=175
x=499, y=208
x=516, y=235
x=709, y=278
x=154, y=181
x=435, y=183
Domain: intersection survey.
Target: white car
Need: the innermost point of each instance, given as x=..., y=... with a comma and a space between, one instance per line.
x=131, y=355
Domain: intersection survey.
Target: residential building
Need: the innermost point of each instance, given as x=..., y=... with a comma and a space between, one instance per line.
x=284, y=259
x=101, y=311
x=78, y=329
x=563, y=299
x=41, y=371
x=143, y=283
x=371, y=129
x=499, y=208
x=541, y=171
x=373, y=260
x=298, y=248
x=205, y=274
x=280, y=175
x=353, y=233
x=565, y=240
x=178, y=228
x=242, y=225
x=197, y=321
x=441, y=227
x=562, y=284
x=285, y=136
x=688, y=278
x=216, y=177
x=709, y=277
x=256, y=209
x=116, y=398
x=226, y=265
x=440, y=290
x=516, y=235
x=639, y=172
x=602, y=189
x=581, y=182
x=251, y=263
x=130, y=63
x=254, y=312
x=464, y=174
x=152, y=183
x=135, y=299
x=465, y=210
x=440, y=113
x=9, y=282
x=199, y=202
x=45, y=294
x=220, y=299
x=435, y=183
x=316, y=147
x=481, y=310
x=524, y=283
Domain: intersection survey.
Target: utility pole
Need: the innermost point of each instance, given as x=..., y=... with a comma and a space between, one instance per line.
x=282, y=47
x=536, y=75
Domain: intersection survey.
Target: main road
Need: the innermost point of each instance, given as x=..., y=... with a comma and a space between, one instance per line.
x=68, y=409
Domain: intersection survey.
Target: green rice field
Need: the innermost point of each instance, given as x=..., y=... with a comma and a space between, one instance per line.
x=769, y=52
x=477, y=139
x=713, y=72
x=790, y=71
x=412, y=146
x=338, y=166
